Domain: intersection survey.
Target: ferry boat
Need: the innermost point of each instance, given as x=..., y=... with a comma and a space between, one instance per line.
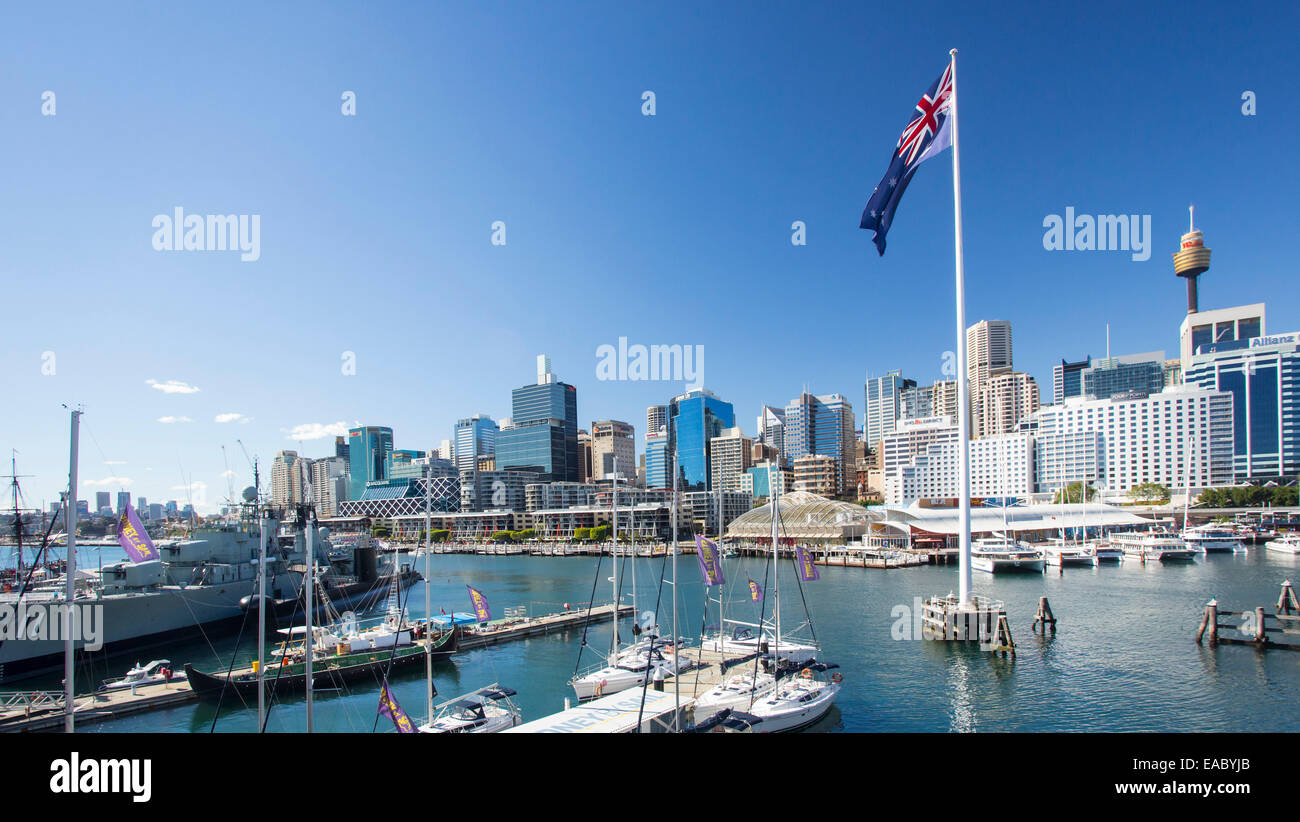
x=1060, y=553
x=1214, y=539
x=996, y=555
x=1154, y=545
x=1285, y=544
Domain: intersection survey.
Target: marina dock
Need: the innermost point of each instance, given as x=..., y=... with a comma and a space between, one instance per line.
x=44, y=711
x=507, y=630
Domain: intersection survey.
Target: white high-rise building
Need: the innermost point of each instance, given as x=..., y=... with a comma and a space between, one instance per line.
x=731, y=455
x=921, y=463
x=329, y=484
x=1005, y=399
x=988, y=352
x=289, y=473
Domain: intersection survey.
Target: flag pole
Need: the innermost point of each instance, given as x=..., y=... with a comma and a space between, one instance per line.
x=963, y=390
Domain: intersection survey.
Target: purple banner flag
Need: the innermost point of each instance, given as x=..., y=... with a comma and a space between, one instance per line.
x=388, y=707
x=132, y=537
x=481, y=609
x=707, y=551
x=804, y=559
x=755, y=592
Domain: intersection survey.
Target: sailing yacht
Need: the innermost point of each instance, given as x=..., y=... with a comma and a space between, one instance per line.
x=794, y=701
x=747, y=639
x=485, y=711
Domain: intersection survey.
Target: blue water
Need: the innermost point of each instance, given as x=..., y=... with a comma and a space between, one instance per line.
x=1124, y=656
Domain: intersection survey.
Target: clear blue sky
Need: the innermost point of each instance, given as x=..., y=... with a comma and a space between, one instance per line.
x=375, y=229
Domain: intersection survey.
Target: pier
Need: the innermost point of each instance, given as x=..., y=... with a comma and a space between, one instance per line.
x=506, y=630
x=1253, y=627
x=44, y=710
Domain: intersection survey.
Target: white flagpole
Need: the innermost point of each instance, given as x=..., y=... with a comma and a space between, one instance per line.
x=963, y=399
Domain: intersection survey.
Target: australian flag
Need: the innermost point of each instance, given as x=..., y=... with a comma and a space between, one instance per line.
x=926, y=135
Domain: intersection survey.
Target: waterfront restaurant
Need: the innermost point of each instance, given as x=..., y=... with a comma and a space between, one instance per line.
x=806, y=518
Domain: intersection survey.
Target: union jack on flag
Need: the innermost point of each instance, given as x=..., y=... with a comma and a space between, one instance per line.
x=926, y=135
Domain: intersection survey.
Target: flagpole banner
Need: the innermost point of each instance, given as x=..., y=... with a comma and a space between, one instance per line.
x=755, y=592
x=388, y=707
x=133, y=538
x=710, y=566
x=481, y=609
x=804, y=559
x=926, y=135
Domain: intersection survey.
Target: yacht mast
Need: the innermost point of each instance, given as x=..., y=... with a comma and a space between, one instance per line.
x=308, y=592
x=266, y=532
x=775, y=490
x=613, y=553
x=428, y=608
x=70, y=577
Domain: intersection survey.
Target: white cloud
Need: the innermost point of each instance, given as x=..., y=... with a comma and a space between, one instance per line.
x=174, y=419
x=173, y=387
x=115, y=462
x=120, y=482
x=233, y=416
x=318, y=431
x=227, y=474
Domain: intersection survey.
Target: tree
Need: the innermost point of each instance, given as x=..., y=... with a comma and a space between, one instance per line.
x=581, y=534
x=1149, y=492
x=381, y=530
x=1073, y=493
x=503, y=536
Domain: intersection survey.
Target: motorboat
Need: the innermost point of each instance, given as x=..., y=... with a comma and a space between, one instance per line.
x=1060, y=553
x=156, y=672
x=1285, y=544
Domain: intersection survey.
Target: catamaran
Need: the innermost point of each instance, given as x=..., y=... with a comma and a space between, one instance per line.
x=1063, y=553
x=1001, y=554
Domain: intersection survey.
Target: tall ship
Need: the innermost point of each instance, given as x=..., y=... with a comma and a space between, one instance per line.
x=203, y=585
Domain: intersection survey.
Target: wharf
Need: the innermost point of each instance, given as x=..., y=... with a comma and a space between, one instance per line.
x=43, y=710
x=506, y=630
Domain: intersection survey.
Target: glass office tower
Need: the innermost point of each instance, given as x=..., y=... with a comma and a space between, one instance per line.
x=368, y=450
x=695, y=418
x=544, y=432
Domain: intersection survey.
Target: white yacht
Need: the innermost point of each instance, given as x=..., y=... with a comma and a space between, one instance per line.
x=1000, y=554
x=1106, y=551
x=1061, y=553
x=746, y=640
x=1214, y=539
x=795, y=703
x=738, y=693
x=1154, y=545
x=159, y=670
x=485, y=711
x=630, y=671
x=1285, y=544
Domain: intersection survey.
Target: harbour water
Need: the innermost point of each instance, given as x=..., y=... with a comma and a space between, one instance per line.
x=1123, y=658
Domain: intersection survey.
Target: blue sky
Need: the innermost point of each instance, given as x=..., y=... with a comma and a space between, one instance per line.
x=671, y=229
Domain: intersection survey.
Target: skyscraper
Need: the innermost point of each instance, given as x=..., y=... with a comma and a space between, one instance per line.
x=123, y=500
x=883, y=406
x=988, y=353
x=823, y=425
x=288, y=475
x=102, y=502
x=657, y=469
x=368, y=450
x=475, y=437
x=696, y=418
x=1005, y=399
x=771, y=428
x=656, y=417
x=1067, y=379
x=730, y=455
x=543, y=435
x=612, y=439
x=1144, y=373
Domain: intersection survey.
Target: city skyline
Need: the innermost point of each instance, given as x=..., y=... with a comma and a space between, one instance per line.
x=690, y=209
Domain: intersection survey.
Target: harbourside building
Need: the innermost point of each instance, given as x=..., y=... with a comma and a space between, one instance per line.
x=1067, y=379
x=1126, y=440
x=816, y=474
x=936, y=400
x=924, y=465
x=496, y=490
x=1126, y=374
x=701, y=510
x=541, y=496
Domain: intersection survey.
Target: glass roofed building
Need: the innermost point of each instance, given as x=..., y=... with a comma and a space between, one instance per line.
x=807, y=518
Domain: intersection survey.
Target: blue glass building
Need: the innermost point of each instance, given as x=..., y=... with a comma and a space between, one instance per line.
x=694, y=419
x=823, y=425
x=657, y=470
x=1263, y=375
x=474, y=437
x=544, y=434
x=368, y=451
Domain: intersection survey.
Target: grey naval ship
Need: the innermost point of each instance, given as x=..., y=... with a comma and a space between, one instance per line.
x=204, y=586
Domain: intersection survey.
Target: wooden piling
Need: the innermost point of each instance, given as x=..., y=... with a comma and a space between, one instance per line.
x=1044, y=617
x=1286, y=601
x=1002, y=641
x=1209, y=622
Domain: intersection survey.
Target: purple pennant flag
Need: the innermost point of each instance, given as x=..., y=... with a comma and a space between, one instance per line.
x=755, y=592
x=132, y=537
x=388, y=707
x=707, y=551
x=804, y=559
x=481, y=609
